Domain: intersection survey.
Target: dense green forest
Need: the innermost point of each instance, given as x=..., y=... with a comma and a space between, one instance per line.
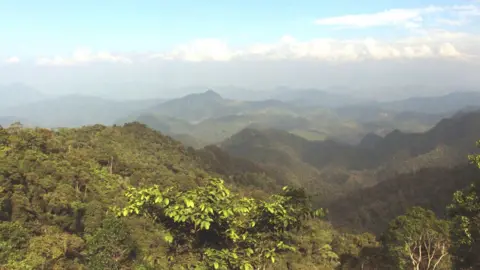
x=128, y=197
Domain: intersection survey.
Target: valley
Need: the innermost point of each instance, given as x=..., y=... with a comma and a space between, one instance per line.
x=330, y=144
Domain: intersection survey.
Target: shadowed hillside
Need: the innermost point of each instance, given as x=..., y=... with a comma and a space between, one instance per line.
x=371, y=209
x=329, y=168
x=275, y=146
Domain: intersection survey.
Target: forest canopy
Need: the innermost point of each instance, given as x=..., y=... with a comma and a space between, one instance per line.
x=128, y=197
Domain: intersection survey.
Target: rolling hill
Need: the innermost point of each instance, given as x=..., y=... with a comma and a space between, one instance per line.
x=345, y=168
x=60, y=183
x=62, y=188
x=18, y=94
x=312, y=164
x=209, y=118
x=372, y=208
x=449, y=103
x=209, y=104
x=313, y=98
x=74, y=110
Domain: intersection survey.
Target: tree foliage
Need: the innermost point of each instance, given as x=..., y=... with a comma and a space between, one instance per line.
x=418, y=239
x=59, y=207
x=465, y=214
x=224, y=230
x=57, y=188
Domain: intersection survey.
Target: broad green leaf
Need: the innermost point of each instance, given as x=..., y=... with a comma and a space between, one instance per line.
x=168, y=238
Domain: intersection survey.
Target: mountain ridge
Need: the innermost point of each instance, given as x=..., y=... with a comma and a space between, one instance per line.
x=19, y=94
x=333, y=163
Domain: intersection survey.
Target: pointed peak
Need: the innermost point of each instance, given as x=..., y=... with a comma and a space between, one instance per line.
x=212, y=93
x=207, y=95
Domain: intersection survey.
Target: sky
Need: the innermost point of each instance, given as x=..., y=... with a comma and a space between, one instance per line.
x=154, y=47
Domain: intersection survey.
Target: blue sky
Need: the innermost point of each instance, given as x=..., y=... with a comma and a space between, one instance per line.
x=32, y=28
x=248, y=43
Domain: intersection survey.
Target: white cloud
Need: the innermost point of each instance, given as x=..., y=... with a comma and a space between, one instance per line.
x=427, y=41
x=12, y=60
x=447, y=49
x=451, y=22
x=464, y=14
x=426, y=45
x=397, y=17
x=467, y=10
x=82, y=57
x=436, y=44
x=408, y=18
x=200, y=50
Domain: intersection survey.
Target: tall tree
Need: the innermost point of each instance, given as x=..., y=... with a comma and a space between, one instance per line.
x=465, y=214
x=418, y=239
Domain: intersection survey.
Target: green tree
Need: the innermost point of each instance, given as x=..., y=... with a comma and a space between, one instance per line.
x=221, y=229
x=418, y=239
x=111, y=246
x=356, y=250
x=13, y=242
x=53, y=250
x=465, y=214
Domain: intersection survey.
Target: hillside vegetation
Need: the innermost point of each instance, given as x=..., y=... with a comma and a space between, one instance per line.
x=59, y=190
x=330, y=169
x=128, y=197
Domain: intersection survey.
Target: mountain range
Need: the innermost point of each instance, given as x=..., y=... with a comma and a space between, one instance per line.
x=344, y=177
x=69, y=110
x=205, y=118
x=365, y=162
x=210, y=118
x=271, y=137
x=18, y=94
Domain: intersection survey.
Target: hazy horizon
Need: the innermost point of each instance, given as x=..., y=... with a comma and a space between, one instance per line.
x=131, y=91
x=150, y=49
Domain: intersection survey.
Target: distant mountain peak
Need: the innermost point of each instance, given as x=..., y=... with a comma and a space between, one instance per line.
x=18, y=94
x=370, y=140
x=207, y=95
x=394, y=134
x=211, y=93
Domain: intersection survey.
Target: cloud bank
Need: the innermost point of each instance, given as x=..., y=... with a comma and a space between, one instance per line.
x=82, y=57
x=432, y=32
x=436, y=44
x=397, y=17
x=12, y=60
x=408, y=18
x=431, y=46
x=322, y=49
